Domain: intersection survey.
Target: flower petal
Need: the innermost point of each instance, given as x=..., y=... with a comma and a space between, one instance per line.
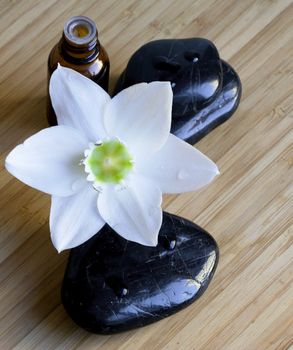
x=78, y=102
x=74, y=219
x=178, y=167
x=135, y=212
x=49, y=161
x=140, y=116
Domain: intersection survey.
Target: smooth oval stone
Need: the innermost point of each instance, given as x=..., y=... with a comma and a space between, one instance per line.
x=113, y=285
x=202, y=83
x=193, y=128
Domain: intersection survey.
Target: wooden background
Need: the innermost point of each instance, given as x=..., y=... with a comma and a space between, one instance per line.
x=249, y=302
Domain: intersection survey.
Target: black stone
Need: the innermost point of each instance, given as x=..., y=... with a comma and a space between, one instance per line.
x=113, y=285
x=206, y=90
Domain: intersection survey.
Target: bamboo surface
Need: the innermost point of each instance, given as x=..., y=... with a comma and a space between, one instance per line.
x=249, y=304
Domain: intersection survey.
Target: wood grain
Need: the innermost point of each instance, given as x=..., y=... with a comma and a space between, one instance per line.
x=249, y=304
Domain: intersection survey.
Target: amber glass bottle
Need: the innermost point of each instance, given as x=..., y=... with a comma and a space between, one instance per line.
x=79, y=49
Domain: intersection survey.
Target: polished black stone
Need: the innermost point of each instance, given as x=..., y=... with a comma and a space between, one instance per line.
x=206, y=90
x=112, y=285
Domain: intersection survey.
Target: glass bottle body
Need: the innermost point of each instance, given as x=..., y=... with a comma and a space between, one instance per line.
x=88, y=58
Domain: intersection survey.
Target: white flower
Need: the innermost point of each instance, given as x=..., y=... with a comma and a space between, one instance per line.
x=108, y=161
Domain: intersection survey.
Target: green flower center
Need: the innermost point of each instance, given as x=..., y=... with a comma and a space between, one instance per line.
x=109, y=162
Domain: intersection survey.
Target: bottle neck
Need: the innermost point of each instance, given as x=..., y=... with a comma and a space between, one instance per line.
x=79, y=53
x=79, y=42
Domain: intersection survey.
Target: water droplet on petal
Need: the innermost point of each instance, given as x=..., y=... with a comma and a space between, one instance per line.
x=77, y=184
x=98, y=143
x=120, y=187
x=182, y=174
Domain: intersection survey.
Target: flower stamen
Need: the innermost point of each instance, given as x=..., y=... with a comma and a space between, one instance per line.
x=108, y=162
